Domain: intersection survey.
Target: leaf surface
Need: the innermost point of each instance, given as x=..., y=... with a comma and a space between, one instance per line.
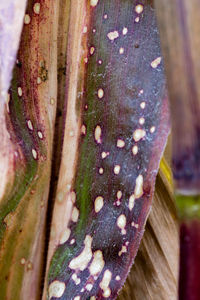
x=120, y=130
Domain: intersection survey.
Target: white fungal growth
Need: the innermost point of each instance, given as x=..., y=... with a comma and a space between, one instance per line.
x=97, y=134
x=131, y=202
x=138, y=192
x=98, y=204
x=94, y=2
x=97, y=264
x=138, y=134
x=65, y=236
x=75, y=214
x=123, y=250
x=139, y=8
x=142, y=105
x=27, y=19
x=124, y=31
x=76, y=279
x=56, y=289
x=104, y=284
x=152, y=129
x=34, y=153
x=104, y=154
x=19, y=91
x=121, y=223
x=92, y=49
x=100, y=93
x=36, y=8
x=121, y=50
x=117, y=169
x=135, y=150
x=82, y=260
x=156, y=62
x=30, y=125
x=113, y=35
x=120, y=143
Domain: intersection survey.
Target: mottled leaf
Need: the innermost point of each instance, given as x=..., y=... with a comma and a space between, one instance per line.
x=30, y=124
x=117, y=123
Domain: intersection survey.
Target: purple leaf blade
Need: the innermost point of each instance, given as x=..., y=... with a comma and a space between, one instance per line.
x=125, y=124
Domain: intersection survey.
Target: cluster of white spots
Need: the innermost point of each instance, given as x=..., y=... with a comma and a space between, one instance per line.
x=56, y=289
x=133, y=224
x=39, y=80
x=135, y=150
x=93, y=2
x=89, y=287
x=131, y=202
x=98, y=204
x=76, y=279
x=23, y=261
x=101, y=171
x=113, y=35
x=156, y=62
x=121, y=50
x=121, y=223
x=125, y=31
x=75, y=214
x=118, y=278
x=99, y=61
x=105, y=16
x=137, y=19
x=40, y=135
x=139, y=8
x=117, y=169
x=30, y=125
x=36, y=8
x=104, y=154
x=19, y=91
x=82, y=260
x=77, y=298
x=138, y=134
x=138, y=192
x=65, y=236
x=97, y=134
x=141, y=120
x=123, y=250
x=120, y=143
x=92, y=49
x=100, y=93
x=142, y=105
x=104, y=284
x=152, y=129
x=34, y=153
x=83, y=129
x=97, y=263
x=27, y=19
x=84, y=29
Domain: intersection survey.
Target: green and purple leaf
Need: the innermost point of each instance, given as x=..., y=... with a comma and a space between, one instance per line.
x=123, y=131
x=30, y=123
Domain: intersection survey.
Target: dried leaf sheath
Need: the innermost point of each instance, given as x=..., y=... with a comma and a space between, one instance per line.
x=123, y=130
x=30, y=123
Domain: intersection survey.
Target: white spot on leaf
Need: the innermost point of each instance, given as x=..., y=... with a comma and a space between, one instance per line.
x=113, y=35
x=139, y=134
x=56, y=289
x=98, y=204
